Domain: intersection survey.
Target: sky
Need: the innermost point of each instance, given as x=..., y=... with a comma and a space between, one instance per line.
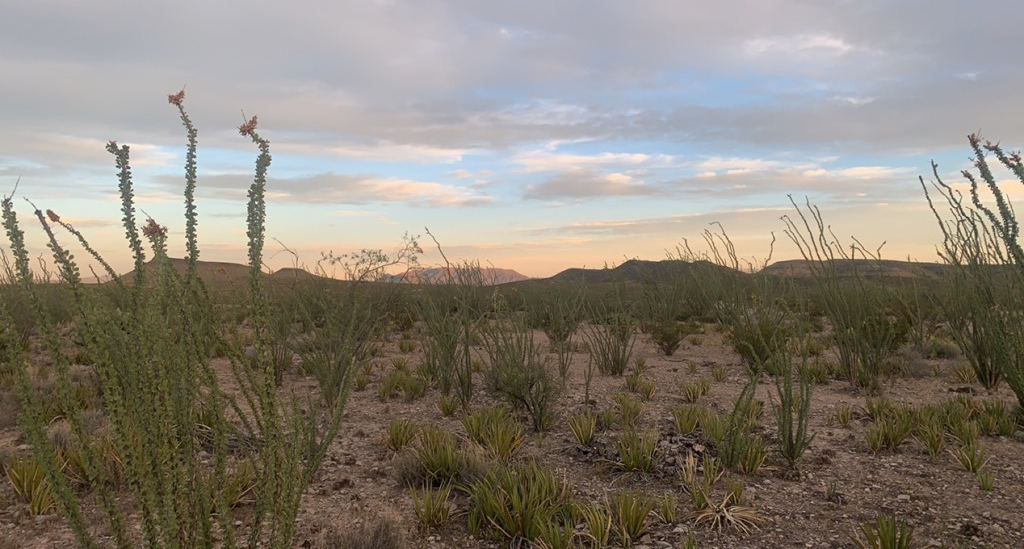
x=535, y=136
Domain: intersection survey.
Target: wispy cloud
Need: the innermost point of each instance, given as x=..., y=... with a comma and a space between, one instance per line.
x=682, y=224
x=583, y=183
x=818, y=44
x=333, y=188
x=547, y=161
x=381, y=152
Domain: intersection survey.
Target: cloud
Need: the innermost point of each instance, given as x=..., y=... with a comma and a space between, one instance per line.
x=816, y=44
x=854, y=100
x=719, y=163
x=546, y=161
x=775, y=179
x=332, y=188
x=381, y=152
x=584, y=183
x=89, y=222
x=682, y=224
x=873, y=172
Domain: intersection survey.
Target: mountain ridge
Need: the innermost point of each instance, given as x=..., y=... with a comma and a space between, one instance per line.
x=633, y=270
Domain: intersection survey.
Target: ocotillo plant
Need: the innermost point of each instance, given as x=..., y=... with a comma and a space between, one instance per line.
x=172, y=421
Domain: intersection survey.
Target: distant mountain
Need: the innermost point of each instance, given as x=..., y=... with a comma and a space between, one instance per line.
x=489, y=276
x=632, y=271
x=217, y=271
x=206, y=270
x=635, y=271
x=886, y=268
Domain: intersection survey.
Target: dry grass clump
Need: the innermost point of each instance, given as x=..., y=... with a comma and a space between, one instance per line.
x=380, y=533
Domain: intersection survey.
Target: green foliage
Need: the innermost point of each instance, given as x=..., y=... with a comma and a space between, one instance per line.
x=447, y=405
x=984, y=301
x=611, y=334
x=432, y=505
x=668, y=335
x=793, y=408
x=885, y=533
x=28, y=479
x=712, y=425
x=629, y=410
x=694, y=390
x=739, y=448
x=865, y=330
x=970, y=455
x=931, y=435
x=629, y=511
x=686, y=418
x=517, y=501
x=495, y=430
x=597, y=517
x=843, y=414
x=665, y=508
x=149, y=340
x=401, y=433
x=451, y=308
x=583, y=427
x=636, y=451
x=888, y=432
x=437, y=458
x=986, y=480
x=518, y=373
x=758, y=335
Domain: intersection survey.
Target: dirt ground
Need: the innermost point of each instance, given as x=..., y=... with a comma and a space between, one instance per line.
x=935, y=495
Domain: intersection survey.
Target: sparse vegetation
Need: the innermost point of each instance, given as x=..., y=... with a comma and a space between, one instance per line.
x=164, y=410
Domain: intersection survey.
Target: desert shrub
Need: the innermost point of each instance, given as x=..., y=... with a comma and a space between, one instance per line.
x=670, y=334
x=401, y=433
x=432, y=505
x=9, y=409
x=750, y=307
x=629, y=511
x=629, y=410
x=436, y=459
x=380, y=533
x=686, y=418
x=452, y=307
x=885, y=533
x=28, y=479
x=517, y=501
x=496, y=431
x=636, y=451
x=583, y=427
x=793, y=407
x=149, y=342
x=757, y=336
x=984, y=304
x=739, y=448
x=939, y=347
x=517, y=372
x=864, y=329
x=611, y=333
x=597, y=518
x=557, y=314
